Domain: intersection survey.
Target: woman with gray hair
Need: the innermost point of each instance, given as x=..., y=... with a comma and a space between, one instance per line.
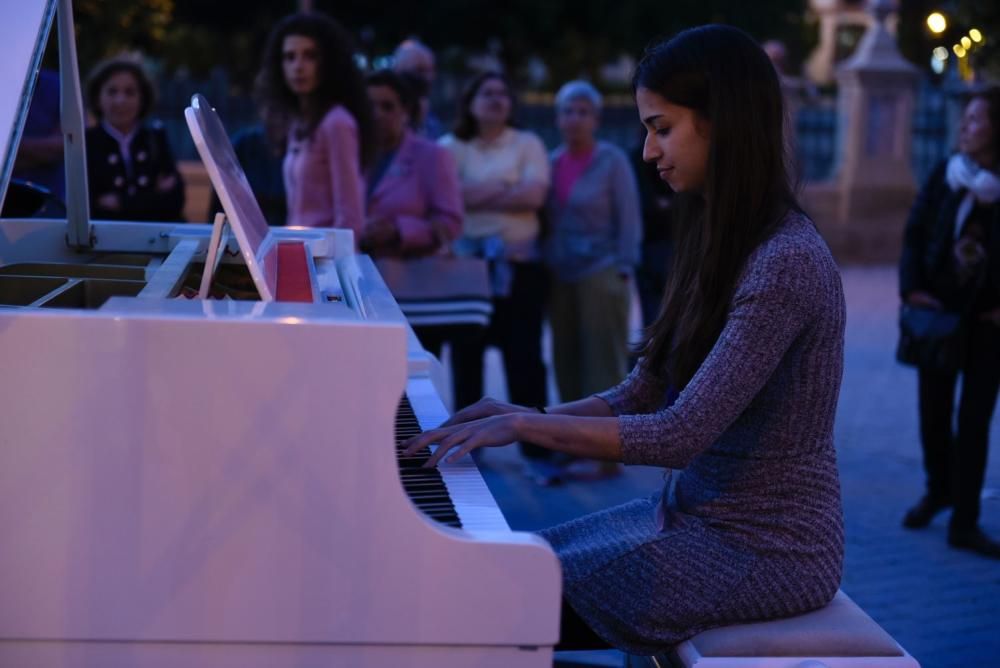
x=591, y=250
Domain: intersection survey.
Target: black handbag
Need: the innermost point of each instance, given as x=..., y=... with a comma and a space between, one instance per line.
x=931, y=338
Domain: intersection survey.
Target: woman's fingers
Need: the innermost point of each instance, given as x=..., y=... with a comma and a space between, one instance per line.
x=467, y=414
x=416, y=443
x=455, y=439
x=445, y=438
x=460, y=439
x=483, y=408
x=462, y=451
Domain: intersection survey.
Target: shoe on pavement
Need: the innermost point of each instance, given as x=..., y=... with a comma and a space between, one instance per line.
x=976, y=541
x=921, y=514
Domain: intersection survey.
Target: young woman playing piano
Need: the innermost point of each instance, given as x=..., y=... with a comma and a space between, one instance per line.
x=735, y=392
x=316, y=111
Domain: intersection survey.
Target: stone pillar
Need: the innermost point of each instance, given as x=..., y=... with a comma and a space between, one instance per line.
x=831, y=15
x=872, y=189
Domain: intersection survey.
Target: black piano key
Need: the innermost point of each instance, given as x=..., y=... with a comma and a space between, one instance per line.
x=424, y=487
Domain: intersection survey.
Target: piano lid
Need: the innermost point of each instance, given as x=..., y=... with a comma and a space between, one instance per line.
x=25, y=34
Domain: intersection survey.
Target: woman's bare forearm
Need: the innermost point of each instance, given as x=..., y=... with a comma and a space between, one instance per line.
x=588, y=407
x=590, y=437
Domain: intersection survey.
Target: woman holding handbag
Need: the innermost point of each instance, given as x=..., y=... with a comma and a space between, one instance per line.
x=949, y=279
x=504, y=173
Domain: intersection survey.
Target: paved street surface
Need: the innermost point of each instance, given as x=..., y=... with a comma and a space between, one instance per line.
x=942, y=605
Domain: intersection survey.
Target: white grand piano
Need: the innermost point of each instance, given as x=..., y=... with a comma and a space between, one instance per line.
x=205, y=482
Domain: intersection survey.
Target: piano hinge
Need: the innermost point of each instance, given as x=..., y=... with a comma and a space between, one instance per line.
x=90, y=246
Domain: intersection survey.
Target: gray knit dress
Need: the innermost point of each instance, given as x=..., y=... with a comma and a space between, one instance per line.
x=749, y=525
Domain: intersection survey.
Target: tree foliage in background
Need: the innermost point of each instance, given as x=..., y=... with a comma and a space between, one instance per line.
x=572, y=38
x=107, y=28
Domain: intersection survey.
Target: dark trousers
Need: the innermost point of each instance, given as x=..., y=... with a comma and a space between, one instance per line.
x=516, y=329
x=460, y=338
x=955, y=460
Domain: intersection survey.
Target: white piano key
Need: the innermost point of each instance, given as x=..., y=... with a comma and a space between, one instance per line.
x=473, y=502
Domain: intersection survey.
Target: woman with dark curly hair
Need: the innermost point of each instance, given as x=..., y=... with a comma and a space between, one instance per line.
x=316, y=111
x=131, y=173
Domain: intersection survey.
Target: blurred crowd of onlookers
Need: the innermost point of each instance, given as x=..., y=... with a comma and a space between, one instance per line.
x=481, y=233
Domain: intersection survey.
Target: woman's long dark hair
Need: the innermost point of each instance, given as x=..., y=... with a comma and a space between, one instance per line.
x=725, y=77
x=466, y=126
x=340, y=82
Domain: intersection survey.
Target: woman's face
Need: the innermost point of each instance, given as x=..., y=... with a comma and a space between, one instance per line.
x=577, y=121
x=119, y=100
x=390, y=115
x=300, y=64
x=491, y=104
x=677, y=140
x=975, y=134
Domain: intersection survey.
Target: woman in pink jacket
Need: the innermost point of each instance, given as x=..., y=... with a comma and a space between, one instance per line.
x=413, y=196
x=415, y=211
x=315, y=109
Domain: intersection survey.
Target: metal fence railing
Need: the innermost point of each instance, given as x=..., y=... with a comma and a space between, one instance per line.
x=816, y=139
x=932, y=136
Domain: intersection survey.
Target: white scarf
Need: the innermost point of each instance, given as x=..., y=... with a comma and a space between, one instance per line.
x=982, y=186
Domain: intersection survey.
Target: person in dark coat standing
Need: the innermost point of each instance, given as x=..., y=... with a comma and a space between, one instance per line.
x=735, y=392
x=951, y=261
x=131, y=172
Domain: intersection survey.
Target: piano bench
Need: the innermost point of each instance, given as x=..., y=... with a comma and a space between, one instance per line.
x=840, y=635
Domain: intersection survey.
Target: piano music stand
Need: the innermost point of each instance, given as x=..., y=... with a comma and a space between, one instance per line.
x=264, y=256
x=216, y=247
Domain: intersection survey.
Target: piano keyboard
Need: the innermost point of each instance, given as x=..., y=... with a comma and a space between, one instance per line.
x=453, y=494
x=425, y=487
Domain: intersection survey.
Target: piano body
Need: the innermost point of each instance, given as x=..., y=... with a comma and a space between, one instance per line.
x=213, y=482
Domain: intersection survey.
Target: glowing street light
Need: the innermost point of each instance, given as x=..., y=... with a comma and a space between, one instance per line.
x=976, y=35
x=959, y=50
x=966, y=43
x=937, y=23
x=940, y=53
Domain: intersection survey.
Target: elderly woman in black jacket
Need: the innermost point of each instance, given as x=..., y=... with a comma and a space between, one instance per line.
x=130, y=168
x=951, y=262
